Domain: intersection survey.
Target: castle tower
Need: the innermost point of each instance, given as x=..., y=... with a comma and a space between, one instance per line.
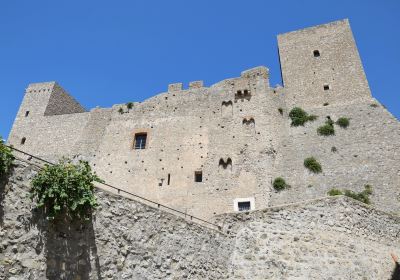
x=30, y=128
x=321, y=65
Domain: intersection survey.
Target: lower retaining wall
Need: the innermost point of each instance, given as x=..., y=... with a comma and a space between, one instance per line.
x=328, y=238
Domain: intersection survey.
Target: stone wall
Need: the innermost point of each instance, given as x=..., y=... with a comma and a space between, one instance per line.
x=123, y=240
x=326, y=238
x=337, y=65
x=366, y=152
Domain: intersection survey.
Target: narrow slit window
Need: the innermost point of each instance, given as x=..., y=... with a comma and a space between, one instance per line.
x=26, y=114
x=198, y=176
x=327, y=87
x=316, y=53
x=244, y=206
x=23, y=140
x=169, y=179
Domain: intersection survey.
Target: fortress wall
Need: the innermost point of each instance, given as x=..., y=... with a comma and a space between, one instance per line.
x=329, y=238
x=321, y=239
x=190, y=131
x=89, y=139
x=368, y=152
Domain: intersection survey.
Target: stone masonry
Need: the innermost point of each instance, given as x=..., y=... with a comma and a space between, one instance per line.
x=235, y=133
x=325, y=238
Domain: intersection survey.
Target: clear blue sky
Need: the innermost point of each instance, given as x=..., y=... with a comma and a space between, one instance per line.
x=107, y=52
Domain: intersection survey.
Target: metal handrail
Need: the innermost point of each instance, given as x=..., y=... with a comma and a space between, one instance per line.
x=124, y=191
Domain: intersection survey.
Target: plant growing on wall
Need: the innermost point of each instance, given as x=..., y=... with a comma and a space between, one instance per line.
x=362, y=196
x=280, y=110
x=6, y=158
x=65, y=188
x=120, y=110
x=300, y=117
x=129, y=105
x=313, y=165
x=343, y=122
x=280, y=184
x=326, y=129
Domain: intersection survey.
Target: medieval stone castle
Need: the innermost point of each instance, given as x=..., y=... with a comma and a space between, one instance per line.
x=214, y=152
x=217, y=149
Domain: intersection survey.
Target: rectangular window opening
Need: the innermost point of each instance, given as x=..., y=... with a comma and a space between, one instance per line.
x=140, y=141
x=26, y=113
x=169, y=179
x=244, y=206
x=198, y=176
x=327, y=87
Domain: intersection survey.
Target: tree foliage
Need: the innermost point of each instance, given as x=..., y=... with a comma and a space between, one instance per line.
x=65, y=188
x=6, y=158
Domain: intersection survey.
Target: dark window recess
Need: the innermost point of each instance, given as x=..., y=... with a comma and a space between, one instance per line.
x=326, y=87
x=169, y=179
x=198, y=176
x=226, y=163
x=140, y=140
x=239, y=95
x=23, y=140
x=244, y=206
x=26, y=113
x=316, y=53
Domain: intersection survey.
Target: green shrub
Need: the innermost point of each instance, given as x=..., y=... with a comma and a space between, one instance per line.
x=343, y=122
x=300, y=117
x=326, y=130
x=280, y=111
x=120, y=110
x=334, y=192
x=313, y=165
x=333, y=149
x=280, y=184
x=65, y=188
x=129, y=105
x=373, y=105
x=6, y=159
x=361, y=196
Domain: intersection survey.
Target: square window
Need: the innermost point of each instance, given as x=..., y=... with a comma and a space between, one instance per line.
x=140, y=141
x=198, y=176
x=327, y=87
x=244, y=206
x=316, y=53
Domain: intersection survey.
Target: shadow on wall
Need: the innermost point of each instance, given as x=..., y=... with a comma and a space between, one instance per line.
x=69, y=247
x=3, y=184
